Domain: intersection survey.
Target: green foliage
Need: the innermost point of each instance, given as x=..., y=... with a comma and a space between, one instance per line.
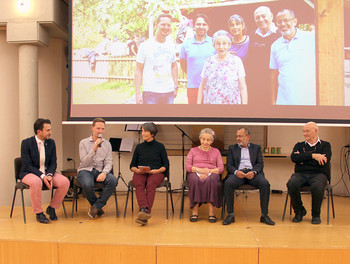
x=124, y=18
x=306, y=27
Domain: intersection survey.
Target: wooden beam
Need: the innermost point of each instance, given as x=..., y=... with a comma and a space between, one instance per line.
x=330, y=51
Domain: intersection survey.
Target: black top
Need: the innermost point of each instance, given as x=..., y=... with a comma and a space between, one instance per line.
x=152, y=154
x=304, y=161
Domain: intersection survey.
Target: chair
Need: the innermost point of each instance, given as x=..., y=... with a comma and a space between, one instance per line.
x=165, y=184
x=307, y=189
x=244, y=188
x=97, y=186
x=22, y=186
x=184, y=187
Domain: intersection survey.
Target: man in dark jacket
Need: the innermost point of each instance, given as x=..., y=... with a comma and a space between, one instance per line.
x=245, y=166
x=38, y=155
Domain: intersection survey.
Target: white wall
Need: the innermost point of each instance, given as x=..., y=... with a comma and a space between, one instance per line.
x=277, y=170
x=9, y=133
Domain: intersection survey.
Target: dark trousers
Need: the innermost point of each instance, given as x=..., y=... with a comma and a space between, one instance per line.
x=150, y=182
x=88, y=179
x=232, y=182
x=317, y=182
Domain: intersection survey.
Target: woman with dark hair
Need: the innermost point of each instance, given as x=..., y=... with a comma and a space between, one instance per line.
x=240, y=41
x=204, y=166
x=148, y=164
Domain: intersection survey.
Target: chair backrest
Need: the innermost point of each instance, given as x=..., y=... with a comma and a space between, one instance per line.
x=328, y=172
x=167, y=174
x=18, y=166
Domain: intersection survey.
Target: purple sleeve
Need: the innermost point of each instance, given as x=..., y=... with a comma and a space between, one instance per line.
x=189, y=161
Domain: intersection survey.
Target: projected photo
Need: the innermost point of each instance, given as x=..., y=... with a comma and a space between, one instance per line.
x=170, y=60
x=123, y=54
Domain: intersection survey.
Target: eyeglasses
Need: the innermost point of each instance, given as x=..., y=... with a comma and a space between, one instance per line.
x=284, y=20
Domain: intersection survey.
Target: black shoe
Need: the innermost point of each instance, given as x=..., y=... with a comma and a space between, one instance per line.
x=266, y=220
x=299, y=216
x=141, y=222
x=316, y=220
x=100, y=212
x=92, y=212
x=194, y=218
x=143, y=214
x=51, y=212
x=212, y=219
x=41, y=218
x=229, y=219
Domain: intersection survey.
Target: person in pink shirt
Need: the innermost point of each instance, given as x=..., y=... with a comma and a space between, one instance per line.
x=204, y=166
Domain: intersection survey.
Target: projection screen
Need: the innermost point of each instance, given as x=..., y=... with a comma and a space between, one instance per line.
x=110, y=39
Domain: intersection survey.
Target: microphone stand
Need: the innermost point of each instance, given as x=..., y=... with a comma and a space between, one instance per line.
x=120, y=176
x=183, y=150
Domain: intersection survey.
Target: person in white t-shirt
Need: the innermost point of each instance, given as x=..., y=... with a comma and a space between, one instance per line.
x=156, y=67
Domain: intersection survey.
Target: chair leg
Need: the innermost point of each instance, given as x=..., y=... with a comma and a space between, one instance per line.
x=64, y=209
x=171, y=198
x=167, y=203
x=13, y=202
x=23, y=208
x=116, y=203
x=327, y=207
x=182, y=200
x=331, y=191
x=126, y=201
x=75, y=199
x=132, y=199
x=285, y=207
x=223, y=208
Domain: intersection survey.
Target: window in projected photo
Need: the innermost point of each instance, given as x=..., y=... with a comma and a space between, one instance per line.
x=260, y=64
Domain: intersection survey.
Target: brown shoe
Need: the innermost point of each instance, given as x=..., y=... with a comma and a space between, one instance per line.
x=143, y=214
x=93, y=211
x=141, y=222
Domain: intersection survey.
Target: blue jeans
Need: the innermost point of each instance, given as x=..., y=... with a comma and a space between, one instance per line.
x=158, y=98
x=88, y=179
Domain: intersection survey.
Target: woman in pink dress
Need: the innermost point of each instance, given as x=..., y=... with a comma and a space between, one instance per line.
x=204, y=166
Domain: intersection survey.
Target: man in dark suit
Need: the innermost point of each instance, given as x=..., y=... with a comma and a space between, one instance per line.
x=245, y=166
x=38, y=154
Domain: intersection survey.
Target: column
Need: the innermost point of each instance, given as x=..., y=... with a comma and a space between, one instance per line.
x=28, y=88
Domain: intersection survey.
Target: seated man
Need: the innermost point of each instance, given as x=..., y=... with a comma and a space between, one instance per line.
x=95, y=166
x=311, y=158
x=245, y=166
x=38, y=155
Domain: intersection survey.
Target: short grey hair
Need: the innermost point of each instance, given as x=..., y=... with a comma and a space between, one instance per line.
x=286, y=10
x=246, y=131
x=222, y=33
x=207, y=131
x=151, y=127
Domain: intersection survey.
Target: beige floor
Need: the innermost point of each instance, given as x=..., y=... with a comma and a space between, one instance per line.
x=121, y=240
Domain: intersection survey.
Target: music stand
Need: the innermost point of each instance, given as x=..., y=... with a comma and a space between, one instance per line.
x=121, y=145
x=134, y=127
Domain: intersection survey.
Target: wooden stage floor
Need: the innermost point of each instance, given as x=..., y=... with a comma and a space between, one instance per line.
x=120, y=240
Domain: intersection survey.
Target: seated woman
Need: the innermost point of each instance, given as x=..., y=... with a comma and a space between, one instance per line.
x=148, y=163
x=204, y=166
